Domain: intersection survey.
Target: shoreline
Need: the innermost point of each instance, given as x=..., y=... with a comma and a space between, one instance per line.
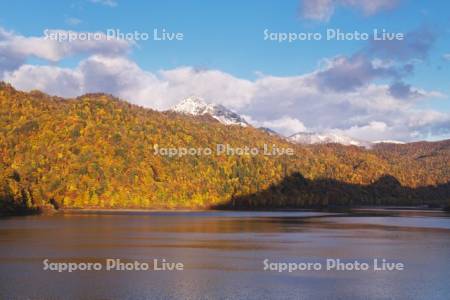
x=355, y=209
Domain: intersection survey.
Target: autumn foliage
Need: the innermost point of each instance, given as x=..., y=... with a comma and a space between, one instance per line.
x=96, y=151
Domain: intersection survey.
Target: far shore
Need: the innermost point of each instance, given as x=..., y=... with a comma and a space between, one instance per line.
x=143, y=210
x=332, y=209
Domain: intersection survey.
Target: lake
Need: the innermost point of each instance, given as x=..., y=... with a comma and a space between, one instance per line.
x=223, y=255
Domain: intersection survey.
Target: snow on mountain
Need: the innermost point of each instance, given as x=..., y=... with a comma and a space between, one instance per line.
x=389, y=142
x=325, y=138
x=197, y=106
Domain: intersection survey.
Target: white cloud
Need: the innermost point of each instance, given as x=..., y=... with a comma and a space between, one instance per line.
x=217, y=86
x=417, y=125
x=285, y=125
x=372, y=131
x=52, y=80
x=15, y=49
x=370, y=7
x=110, y=3
x=322, y=10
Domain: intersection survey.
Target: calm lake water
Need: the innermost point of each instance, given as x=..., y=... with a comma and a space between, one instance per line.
x=223, y=254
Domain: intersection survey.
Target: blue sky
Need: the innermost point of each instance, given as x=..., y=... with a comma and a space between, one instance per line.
x=227, y=36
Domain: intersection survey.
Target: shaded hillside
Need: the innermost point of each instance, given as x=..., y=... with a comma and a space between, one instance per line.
x=295, y=191
x=98, y=151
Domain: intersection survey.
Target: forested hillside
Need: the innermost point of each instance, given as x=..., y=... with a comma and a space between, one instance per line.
x=96, y=151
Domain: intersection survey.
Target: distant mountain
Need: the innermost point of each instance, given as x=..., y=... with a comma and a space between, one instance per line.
x=197, y=107
x=325, y=138
x=309, y=138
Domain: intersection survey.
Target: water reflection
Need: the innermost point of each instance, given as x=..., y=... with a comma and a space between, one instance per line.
x=223, y=254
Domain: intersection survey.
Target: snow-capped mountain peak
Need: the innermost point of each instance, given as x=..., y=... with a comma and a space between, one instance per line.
x=197, y=106
x=192, y=105
x=325, y=138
